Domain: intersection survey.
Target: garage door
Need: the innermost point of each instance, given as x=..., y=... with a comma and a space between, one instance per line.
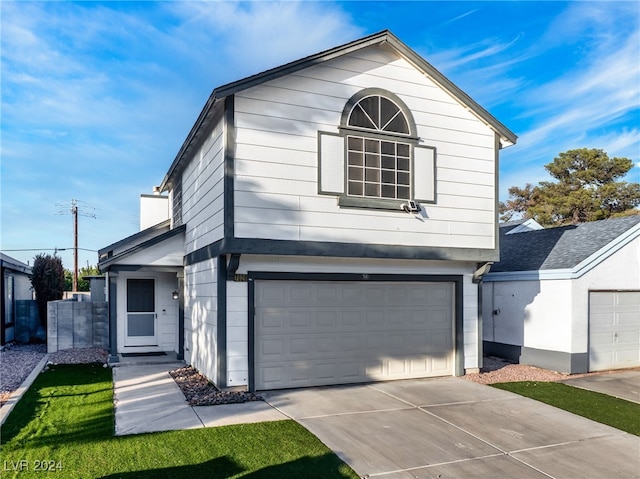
x=614, y=330
x=318, y=333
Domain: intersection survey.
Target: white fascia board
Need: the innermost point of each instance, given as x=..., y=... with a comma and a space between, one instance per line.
x=536, y=275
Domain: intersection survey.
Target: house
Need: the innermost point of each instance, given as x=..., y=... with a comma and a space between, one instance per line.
x=16, y=286
x=568, y=298
x=327, y=222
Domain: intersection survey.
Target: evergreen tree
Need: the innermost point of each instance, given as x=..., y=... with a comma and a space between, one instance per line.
x=48, y=282
x=587, y=189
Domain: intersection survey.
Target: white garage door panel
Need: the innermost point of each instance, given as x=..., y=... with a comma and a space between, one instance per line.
x=315, y=333
x=614, y=330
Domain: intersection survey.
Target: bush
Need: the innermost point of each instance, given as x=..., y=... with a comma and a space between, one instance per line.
x=48, y=282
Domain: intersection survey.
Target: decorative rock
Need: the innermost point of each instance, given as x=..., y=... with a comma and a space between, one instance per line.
x=198, y=391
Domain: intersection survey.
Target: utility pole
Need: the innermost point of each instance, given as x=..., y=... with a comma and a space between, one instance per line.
x=75, y=211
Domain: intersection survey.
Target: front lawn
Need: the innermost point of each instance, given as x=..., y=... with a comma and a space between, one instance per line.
x=64, y=425
x=618, y=413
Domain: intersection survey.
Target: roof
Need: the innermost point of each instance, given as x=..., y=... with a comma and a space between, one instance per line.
x=136, y=237
x=563, y=247
x=132, y=244
x=213, y=106
x=13, y=264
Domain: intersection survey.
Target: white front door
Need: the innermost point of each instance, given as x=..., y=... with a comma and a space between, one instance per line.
x=141, y=317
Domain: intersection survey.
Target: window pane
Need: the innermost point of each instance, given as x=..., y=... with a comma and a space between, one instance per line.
x=140, y=324
x=140, y=295
x=388, y=110
x=389, y=162
x=403, y=150
x=355, y=188
x=389, y=177
x=403, y=192
x=355, y=158
x=355, y=173
x=371, y=146
x=371, y=105
x=388, y=147
x=398, y=125
x=371, y=189
x=403, y=164
x=359, y=118
x=372, y=175
x=403, y=178
x=355, y=143
x=388, y=191
x=372, y=161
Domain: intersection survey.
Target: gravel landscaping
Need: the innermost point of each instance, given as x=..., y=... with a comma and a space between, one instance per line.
x=18, y=360
x=200, y=392
x=496, y=370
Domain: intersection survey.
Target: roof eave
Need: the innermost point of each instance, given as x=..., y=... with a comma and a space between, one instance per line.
x=104, y=265
x=507, y=137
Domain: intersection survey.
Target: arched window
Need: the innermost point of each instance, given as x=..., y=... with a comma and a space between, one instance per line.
x=379, y=150
x=375, y=159
x=378, y=113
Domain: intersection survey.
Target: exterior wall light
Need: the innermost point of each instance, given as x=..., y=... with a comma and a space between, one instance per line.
x=175, y=295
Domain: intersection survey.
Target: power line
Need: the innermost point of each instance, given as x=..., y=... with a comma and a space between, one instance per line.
x=50, y=249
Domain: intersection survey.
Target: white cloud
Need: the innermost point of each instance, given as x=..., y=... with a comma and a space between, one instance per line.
x=254, y=36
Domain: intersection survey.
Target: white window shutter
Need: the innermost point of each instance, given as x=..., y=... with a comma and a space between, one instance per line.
x=330, y=164
x=424, y=174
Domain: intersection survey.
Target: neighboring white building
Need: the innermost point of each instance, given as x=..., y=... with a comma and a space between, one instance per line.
x=566, y=299
x=326, y=219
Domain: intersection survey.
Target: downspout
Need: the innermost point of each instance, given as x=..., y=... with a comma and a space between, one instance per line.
x=112, y=290
x=180, y=352
x=477, y=279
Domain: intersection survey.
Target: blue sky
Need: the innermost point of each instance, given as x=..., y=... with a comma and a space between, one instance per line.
x=97, y=97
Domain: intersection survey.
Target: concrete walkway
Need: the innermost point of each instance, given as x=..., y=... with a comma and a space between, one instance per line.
x=147, y=399
x=620, y=384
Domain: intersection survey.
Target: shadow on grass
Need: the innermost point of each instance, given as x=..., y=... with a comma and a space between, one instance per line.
x=218, y=468
x=322, y=467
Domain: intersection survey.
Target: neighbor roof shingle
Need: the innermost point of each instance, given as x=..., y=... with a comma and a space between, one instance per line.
x=558, y=248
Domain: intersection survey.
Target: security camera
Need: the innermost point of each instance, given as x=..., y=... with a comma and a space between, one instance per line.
x=410, y=207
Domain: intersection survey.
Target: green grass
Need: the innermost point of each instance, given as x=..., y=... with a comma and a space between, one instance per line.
x=66, y=421
x=618, y=413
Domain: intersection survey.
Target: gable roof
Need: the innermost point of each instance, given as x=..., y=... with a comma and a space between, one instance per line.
x=136, y=243
x=564, y=247
x=214, y=105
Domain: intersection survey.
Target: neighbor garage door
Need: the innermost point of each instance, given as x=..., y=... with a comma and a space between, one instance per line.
x=614, y=330
x=318, y=333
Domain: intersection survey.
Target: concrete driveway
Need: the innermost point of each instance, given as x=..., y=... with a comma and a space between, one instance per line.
x=620, y=384
x=450, y=427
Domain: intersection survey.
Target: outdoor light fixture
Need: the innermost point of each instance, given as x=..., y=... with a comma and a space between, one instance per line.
x=175, y=295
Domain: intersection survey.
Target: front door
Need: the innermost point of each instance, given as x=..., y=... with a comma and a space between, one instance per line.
x=141, y=329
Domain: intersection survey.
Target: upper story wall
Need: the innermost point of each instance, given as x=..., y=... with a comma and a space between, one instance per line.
x=198, y=199
x=276, y=159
